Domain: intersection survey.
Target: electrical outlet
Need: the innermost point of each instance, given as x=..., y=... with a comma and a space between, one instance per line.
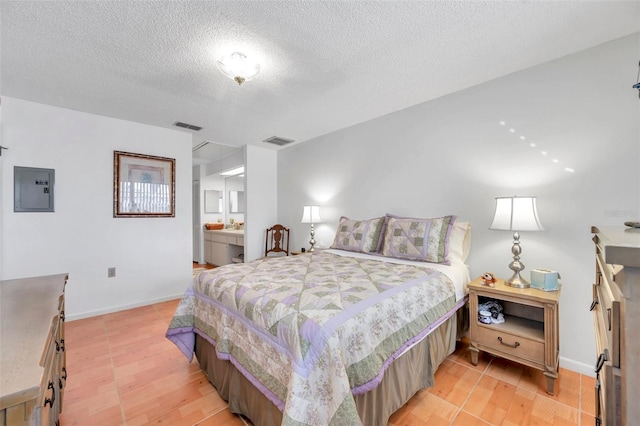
x=111, y=272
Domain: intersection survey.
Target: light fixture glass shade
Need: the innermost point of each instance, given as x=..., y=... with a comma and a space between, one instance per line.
x=516, y=214
x=238, y=67
x=311, y=214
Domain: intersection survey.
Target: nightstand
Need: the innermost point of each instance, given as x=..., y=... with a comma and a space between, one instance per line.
x=529, y=334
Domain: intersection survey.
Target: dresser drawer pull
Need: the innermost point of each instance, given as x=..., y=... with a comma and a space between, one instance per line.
x=609, y=317
x=597, y=389
x=594, y=304
x=62, y=344
x=53, y=395
x=604, y=356
x=511, y=345
x=64, y=373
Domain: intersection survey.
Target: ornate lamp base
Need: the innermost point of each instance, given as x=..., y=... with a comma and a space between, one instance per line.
x=516, y=266
x=312, y=241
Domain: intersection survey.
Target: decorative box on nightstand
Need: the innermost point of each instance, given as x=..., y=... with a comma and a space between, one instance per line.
x=529, y=334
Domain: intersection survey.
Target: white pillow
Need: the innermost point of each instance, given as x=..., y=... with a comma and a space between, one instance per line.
x=460, y=241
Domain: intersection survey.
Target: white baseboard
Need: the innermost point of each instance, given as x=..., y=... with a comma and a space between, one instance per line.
x=578, y=367
x=113, y=309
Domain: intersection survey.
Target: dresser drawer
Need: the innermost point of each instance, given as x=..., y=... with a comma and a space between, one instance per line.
x=511, y=344
x=236, y=240
x=218, y=238
x=609, y=395
x=49, y=352
x=50, y=398
x=606, y=309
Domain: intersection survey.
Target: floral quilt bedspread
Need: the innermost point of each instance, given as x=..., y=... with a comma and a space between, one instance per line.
x=311, y=330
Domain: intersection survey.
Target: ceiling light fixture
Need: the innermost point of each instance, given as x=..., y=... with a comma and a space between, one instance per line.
x=238, y=67
x=233, y=172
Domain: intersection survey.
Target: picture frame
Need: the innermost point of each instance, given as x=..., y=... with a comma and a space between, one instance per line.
x=33, y=189
x=143, y=185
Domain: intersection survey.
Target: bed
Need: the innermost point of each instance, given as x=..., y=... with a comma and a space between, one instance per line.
x=336, y=337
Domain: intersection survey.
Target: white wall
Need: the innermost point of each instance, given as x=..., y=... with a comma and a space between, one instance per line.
x=452, y=156
x=261, y=181
x=152, y=256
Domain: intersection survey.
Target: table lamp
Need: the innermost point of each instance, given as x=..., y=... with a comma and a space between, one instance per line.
x=516, y=214
x=311, y=214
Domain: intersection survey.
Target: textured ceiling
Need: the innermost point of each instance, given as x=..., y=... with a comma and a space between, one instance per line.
x=325, y=65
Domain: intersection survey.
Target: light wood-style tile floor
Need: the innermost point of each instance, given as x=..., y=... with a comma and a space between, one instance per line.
x=123, y=371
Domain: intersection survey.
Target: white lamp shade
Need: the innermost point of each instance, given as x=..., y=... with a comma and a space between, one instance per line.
x=516, y=214
x=311, y=214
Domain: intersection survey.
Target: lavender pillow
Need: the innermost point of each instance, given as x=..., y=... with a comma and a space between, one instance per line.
x=425, y=240
x=359, y=235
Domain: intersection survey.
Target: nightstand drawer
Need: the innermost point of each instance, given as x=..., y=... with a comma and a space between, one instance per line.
x=511, y=344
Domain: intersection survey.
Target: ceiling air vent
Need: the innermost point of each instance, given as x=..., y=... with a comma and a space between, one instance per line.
x=187, y=126
x=276, y=140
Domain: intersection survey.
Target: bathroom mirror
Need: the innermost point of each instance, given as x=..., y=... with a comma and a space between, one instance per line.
x=236, y=201
x=212, y=201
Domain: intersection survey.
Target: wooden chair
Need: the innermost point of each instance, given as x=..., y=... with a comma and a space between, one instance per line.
x=277, y=242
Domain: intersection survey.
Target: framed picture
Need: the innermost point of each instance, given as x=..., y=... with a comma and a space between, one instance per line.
x=143, y=185
x=33, y=189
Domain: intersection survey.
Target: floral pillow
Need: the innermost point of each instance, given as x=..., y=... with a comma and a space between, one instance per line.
x=424, y=240
x=359, y=235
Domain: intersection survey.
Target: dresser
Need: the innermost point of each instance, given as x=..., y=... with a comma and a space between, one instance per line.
x=32, y=360
x=616, y=314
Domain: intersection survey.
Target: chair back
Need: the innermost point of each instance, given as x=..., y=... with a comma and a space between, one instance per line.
x=277, y=242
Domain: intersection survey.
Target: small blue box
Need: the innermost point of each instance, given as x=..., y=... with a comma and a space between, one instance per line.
x=544, y=279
